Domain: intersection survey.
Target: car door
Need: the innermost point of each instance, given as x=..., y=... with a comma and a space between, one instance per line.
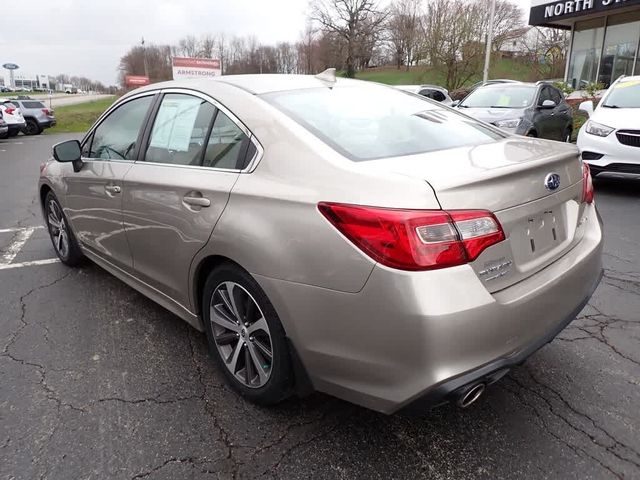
x=562, y=113
x=174, y=195
x=93, y=199
x=547, y=123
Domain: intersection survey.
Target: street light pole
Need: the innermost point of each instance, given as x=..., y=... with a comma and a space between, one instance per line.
x=487, y=54
x=144, y=59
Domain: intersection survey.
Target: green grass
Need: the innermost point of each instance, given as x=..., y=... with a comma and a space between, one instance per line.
x=500, y=68
x=79, y=117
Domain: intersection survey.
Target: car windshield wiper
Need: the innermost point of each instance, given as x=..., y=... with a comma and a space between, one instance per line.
x=610, y=106
x=499, y=106
x=462, y=106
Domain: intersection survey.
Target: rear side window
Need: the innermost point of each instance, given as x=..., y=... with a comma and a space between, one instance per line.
x=180, y=130
x=436, y=95
x=33, y=104
x=227, y=144
x=366, y=122
x=116, y=136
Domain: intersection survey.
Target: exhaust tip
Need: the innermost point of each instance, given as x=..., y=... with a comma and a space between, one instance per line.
x=469, y=396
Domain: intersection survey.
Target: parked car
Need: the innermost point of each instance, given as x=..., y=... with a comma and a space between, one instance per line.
x=332, y=234
x=533, y=110
x=13, y=116
x=5, y=89
x=36, y=114
x=610, y=139
x=4, y=128
x=434, y=92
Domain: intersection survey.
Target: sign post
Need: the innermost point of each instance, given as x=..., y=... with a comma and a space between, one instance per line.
x=11, y=67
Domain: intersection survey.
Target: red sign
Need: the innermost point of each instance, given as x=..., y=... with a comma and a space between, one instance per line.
x=136, y=80
x=196, y=62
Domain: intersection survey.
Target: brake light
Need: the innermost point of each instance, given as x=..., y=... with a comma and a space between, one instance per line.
x=587, y=184
x=46, y=111
x=10, y=110
x=415, y=239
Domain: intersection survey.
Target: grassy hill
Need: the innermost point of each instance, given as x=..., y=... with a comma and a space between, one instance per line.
x=500, y=68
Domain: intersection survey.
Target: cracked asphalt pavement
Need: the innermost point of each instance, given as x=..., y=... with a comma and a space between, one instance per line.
x=98, y=382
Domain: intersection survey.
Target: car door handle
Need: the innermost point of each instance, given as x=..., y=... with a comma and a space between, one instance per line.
x=196, y=201
x=112, y=189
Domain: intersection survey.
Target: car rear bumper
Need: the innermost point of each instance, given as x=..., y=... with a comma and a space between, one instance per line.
x=16, y=127
x=613, y=155
x=47, y=123
x=409, y=339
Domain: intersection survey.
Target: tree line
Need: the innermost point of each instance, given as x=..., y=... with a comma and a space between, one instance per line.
x=352, y=35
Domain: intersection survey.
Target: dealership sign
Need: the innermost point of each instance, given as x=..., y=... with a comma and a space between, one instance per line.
x=545, y=12
x=136, y=80
x=10, y=66
x=195, y=67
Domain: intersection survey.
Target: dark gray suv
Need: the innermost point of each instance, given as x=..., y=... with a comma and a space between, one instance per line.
x=531, y=109
x=37, y=115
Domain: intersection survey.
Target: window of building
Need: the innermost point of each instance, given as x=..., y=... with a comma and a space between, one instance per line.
x=585, y=54
x=620, y=45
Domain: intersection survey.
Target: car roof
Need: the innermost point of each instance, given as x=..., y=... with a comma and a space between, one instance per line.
x=509, y=85
x=256, y=84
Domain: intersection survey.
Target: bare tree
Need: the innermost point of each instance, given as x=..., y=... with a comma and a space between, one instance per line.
x=354, y=21
x=403, y=27
x=508, y=17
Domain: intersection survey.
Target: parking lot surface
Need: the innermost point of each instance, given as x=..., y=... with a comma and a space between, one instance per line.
x=98, y=382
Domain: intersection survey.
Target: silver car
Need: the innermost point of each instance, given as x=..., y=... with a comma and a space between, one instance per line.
x=332, y=235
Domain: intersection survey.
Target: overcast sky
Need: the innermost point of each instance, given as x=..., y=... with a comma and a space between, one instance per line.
x=88, y=37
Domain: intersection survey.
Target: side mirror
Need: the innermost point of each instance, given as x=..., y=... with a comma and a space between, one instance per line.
x=586, y=106
x=548, y=104
x=455, y=103
x=69, y=151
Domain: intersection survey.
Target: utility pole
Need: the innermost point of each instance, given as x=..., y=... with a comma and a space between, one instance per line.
x=487, y=55
x=144, y=58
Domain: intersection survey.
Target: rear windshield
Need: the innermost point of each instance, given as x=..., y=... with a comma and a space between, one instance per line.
x=624, y=95
x=500, y=96
x=32, y=104
x=367, y=122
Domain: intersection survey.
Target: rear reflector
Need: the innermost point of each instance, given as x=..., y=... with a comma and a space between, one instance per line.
x=415, y=239
x=587, y=184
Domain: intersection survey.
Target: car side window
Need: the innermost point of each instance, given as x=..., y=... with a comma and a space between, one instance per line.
x=545, y=94
x=436, y=95
x=116, y=136
x=180, y=130
x=556, y=96
x=227, y=144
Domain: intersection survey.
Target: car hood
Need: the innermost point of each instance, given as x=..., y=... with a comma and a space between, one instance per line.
x=618, y=118
x=492, y=115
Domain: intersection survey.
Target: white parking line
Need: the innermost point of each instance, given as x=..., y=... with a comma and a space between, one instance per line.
x=20, y=239
x=16, y=229
x=47, y=261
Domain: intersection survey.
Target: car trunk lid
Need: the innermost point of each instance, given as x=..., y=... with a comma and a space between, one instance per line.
x=515, y=179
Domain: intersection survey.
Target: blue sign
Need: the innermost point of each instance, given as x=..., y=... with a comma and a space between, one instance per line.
x=10, y=66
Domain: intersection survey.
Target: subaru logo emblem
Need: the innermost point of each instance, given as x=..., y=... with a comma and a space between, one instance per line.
x=552, y=181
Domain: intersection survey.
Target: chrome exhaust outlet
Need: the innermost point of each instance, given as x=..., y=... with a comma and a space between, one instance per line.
x=468, y=396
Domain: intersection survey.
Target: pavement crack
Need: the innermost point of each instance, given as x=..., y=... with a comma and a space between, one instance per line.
x=167, y=462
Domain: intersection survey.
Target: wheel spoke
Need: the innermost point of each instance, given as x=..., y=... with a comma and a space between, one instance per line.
x=249, y=309
x=226, y=338
x=232, y=361
x=53, y=221
x=259, y=363
x=248, y=366
x=235, y=304
x=263, y=349
x=220, y=317
x=59, y=241
x=260, y=324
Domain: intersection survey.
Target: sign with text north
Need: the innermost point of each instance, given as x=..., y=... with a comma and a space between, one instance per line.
x=195, y=67
x=548, y=12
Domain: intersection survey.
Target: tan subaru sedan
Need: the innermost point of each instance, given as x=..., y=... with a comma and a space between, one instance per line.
x=331, y=234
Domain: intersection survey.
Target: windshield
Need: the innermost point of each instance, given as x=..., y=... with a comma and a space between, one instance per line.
x=366, y=122
x=624, y=95
x=500, y=96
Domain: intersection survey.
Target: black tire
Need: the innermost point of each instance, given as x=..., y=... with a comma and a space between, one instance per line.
x=71, y=255
x=13, y=133
x=32, y=127
x=280, y=380
x=532, y=134
x=4, y=135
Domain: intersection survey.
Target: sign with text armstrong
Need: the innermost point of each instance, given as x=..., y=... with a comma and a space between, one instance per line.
x=547, y=12
x=195, y=67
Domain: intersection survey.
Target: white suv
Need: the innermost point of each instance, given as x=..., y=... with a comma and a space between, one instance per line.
x=610, y=139
x=13, y=116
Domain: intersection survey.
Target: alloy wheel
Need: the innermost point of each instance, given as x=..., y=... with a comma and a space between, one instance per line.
x=241, y=334
x=58, y=229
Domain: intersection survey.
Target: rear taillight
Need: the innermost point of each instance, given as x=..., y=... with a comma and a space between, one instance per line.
x=587, y=184
x=10, y=110
x=46, y=111
x=415, y=239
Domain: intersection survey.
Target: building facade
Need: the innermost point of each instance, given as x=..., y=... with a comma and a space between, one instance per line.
x=605, y=37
